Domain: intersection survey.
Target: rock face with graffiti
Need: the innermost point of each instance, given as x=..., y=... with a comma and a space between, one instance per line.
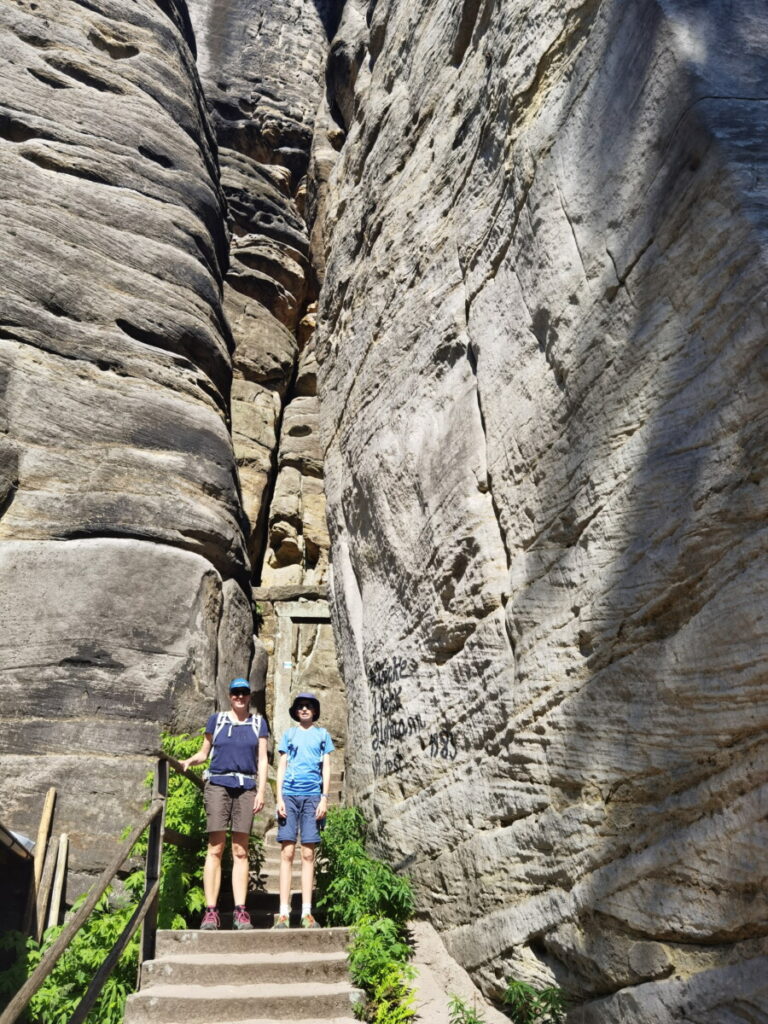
x=542, y=340
x=394, y=725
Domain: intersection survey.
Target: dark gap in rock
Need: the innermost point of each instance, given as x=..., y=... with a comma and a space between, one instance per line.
x=49, y=164
x=8, y=497
x=311, y=554
x=152, y=338
x=116, y=50
x=89, y=6
x=158, y=158
x=300, y=430
x=329, y=12
x=208, y=257
x=469, y=12
x=179, y=15
x=46, y=79
x=92, y=658
x=39, y=42
x=208, y=388
x=193, y=354
x=82, y=76
x=57, y=310
x=16, y=131
x=6, y=335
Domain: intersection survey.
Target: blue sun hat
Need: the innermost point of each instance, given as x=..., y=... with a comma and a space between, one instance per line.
x=300, y=698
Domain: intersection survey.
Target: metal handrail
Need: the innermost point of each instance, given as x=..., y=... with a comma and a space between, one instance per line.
x=144, y=915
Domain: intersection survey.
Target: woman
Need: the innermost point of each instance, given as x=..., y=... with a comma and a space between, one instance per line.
x=238, y=740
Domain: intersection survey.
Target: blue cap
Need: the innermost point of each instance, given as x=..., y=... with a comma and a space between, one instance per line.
x=239, y=684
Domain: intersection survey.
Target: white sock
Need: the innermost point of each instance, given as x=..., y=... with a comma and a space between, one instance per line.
x=306, y=909
x=285, y=910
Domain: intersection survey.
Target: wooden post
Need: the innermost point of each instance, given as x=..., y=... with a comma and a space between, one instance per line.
x=30, y=927
x=153, y=865
x=58, y=880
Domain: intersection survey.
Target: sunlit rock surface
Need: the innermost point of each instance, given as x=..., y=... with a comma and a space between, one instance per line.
x=542, y=380
x=121, y=529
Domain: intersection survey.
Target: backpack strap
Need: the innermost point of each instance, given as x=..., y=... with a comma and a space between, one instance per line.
x=221, y=721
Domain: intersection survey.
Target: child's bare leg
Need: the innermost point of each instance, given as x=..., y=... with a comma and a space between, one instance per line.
x=307, y=872
x=287, y=851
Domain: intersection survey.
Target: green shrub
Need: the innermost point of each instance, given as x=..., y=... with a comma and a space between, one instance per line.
x=462, y=1013
x=377, y=944
x=56, y=1000
x=356, y=890
x=350, y=883
x=527, y=1004
x=391, y=1001
x=181, y=877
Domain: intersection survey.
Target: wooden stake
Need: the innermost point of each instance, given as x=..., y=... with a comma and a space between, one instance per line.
x=58, y=881
x=29, y=927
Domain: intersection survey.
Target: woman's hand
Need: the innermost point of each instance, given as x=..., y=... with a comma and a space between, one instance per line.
x=258, y=802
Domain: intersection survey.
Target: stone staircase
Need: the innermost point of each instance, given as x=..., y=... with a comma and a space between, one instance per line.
x=252, y=977
x=264, y=976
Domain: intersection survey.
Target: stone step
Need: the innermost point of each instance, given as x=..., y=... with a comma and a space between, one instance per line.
x=245, y=968
x=223, y=943
x=263, y=907
x=271, y=1020
x=294, y=1001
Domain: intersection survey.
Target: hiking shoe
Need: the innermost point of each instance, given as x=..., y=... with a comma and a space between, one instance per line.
x=309, y=922
x=241, y=919
x=281, y=922
x=210, y=922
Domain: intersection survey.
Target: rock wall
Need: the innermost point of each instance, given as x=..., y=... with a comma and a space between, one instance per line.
x=542, y=359
x=123, y=561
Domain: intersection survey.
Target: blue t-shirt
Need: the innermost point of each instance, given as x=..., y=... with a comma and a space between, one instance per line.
x=306, y=749
x=235, y=750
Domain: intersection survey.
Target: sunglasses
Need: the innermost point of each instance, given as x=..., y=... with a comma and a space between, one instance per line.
x=304, y=704
x=240, y=693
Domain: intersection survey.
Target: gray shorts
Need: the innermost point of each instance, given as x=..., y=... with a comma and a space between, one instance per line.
x=228, y=807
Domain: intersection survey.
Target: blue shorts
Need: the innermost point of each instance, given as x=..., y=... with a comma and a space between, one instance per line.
x=300, y=817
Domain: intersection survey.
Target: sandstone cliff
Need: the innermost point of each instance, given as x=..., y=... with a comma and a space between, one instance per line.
x=123, y=558
x=542, y=351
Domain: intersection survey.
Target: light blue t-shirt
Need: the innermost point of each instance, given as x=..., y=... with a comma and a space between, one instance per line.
x=306, y=749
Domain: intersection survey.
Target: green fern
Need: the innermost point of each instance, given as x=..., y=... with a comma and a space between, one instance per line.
x=530, y=1005
x=462, y=1013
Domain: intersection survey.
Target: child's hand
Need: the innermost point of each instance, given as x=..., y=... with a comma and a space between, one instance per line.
x=281, y=808
x=322, y=808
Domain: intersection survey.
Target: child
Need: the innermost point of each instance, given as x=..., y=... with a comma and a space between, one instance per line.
x=303, y=779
